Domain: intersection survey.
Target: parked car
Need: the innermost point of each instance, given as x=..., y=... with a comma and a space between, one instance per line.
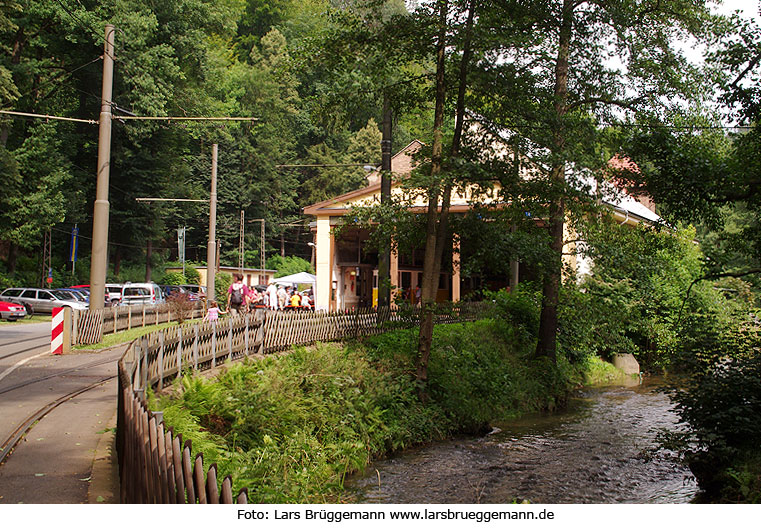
x=141, y=293
x=73, y=294
x=39, y=300
x=198, y=290
x=85, y=289
x=12, y=311
x=170, y=290
x=113, y=293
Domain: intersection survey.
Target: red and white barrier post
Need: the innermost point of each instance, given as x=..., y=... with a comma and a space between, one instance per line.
x=60, y=338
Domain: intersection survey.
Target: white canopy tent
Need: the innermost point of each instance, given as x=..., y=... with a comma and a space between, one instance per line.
x=295, y=279
x=299, y=278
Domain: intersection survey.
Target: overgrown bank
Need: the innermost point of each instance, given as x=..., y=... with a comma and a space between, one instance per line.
x=290, y=427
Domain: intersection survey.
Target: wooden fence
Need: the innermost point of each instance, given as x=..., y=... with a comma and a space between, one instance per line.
x=154, y=466
x=88, y=327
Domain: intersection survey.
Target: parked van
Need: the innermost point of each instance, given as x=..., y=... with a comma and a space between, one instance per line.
x=113, y=293
x=141, y=293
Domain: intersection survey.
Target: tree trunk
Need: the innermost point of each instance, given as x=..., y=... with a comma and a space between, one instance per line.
x=437, y=230
x=12, y=258
x=117, y=261
x=548, y=320
x=428, y=294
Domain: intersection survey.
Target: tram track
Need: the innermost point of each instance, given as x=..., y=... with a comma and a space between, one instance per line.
x=45, y=343
x=13, y=342
x=29, y=422
x=56, y=374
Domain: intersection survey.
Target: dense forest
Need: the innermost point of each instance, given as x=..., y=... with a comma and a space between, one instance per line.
x=561, y=85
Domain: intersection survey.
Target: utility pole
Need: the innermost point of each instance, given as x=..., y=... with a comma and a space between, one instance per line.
x=384, y=255
x=261, y=253
x=99, y=257
x=212, y=245
x=262, y=258
x=241, y=245
x=47, y=260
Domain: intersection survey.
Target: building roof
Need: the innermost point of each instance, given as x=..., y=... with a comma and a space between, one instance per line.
x=403, y=162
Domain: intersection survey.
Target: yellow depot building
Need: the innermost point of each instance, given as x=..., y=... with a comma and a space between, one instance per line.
x=347, y=273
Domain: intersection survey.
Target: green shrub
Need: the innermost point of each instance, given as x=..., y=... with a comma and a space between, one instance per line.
x=289, y=428
x=172, y=278
x=520, y=308
x=222, y=282
x=192, y=275
x=285, y=266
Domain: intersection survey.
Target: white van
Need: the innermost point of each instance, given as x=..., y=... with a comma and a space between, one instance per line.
x=113, y=293
x=141, y=293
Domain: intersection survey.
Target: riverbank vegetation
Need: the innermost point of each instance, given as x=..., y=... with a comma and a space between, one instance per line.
x=290, y=427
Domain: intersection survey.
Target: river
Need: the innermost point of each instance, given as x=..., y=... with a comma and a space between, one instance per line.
x=601, y=449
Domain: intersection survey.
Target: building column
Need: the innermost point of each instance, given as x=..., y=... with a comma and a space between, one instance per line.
x=455, y=268
x=394, y=275
x=323, y=269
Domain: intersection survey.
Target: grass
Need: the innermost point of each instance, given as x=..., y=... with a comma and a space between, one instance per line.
x=113, y=339
x=34, y=319
x=600, y=373
x=289, y=428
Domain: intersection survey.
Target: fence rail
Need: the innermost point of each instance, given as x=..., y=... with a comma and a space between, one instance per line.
x=88, y=327
x=154, y=466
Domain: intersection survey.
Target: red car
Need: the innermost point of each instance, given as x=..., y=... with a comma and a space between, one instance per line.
x=11, y=311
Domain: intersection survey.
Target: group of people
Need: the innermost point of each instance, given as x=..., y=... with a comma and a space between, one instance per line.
x=276, y=297
x=241, y=298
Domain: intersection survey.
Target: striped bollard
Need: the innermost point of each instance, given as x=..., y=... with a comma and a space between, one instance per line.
x=60, y=339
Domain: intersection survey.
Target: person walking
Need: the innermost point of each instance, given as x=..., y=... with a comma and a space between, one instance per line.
x=282, y=297
x=212, y=314
x=237, y=295
x=272, y=296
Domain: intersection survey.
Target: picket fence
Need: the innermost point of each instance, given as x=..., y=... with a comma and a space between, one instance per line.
x=154, y=465
x=88, y=327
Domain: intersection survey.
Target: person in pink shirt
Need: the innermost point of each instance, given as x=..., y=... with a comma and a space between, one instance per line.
x=212, y=314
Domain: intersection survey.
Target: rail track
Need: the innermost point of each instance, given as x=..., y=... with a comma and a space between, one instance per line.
x=45, y=342
x=51, y=376
x=7, y=447
x=11, y=343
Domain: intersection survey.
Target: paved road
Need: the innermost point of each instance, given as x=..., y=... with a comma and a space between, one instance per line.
x=53, y=463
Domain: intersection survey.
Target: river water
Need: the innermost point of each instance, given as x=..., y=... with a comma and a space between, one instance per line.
x=601, y=449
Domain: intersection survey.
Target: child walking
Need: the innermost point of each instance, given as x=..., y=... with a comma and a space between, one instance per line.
x=212, y=314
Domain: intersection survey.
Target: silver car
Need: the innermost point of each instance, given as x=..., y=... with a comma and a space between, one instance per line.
x=40, y=300
x=141, y=293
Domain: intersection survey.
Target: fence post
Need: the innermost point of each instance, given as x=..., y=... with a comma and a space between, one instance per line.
x=143, y=315
x=161, y=359
x=230, y=339
x=129, y=318
x=144, y=377
x=245, y=336
x=115, y=318
x=261, y=317
x=179, y=351
x=213, y=344
x=138, y=382
x=195, y=347
x=75, y=328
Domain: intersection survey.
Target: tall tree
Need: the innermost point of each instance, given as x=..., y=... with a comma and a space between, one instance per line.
x=579, y=66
